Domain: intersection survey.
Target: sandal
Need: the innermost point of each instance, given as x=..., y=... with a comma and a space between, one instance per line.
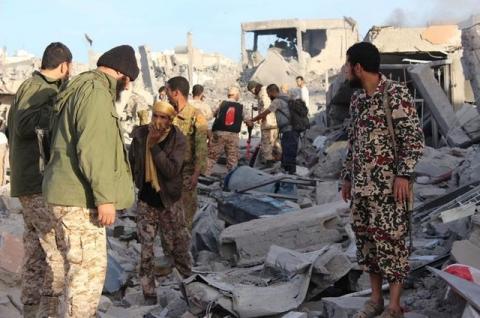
x=388, y=313
x=370, y=310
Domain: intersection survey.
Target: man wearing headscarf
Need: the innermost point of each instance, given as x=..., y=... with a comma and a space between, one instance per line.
x=156, y=156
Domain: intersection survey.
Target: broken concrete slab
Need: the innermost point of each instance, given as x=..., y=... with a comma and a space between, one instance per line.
x=465, y=252
x=470, y=312
x=279, y=286
x=468, y=290
x=326, y=192
x=248, y=243
x=438, y=104
x=206, y=230
x=11, y=253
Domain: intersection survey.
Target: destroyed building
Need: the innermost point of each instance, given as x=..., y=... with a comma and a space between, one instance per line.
x=295, y=47
x=276, y=245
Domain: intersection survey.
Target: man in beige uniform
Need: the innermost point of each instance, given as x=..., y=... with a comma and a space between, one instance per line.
x=193, y=125
x=269, y=137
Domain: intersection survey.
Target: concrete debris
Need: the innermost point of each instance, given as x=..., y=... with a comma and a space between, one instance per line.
x=266, y=243
x=295, y=314
x=465, y=252
x=471, y=54
x=470, y=312
x=439, y=105
x=11, y=253
x=468, y=290
x=206, y=230
x=249, y=242
x=278, y=286
x=116, y=276
x=468, y=170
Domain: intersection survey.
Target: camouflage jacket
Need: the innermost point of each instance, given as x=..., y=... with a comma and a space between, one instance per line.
x=194, y=126
x=370, y=162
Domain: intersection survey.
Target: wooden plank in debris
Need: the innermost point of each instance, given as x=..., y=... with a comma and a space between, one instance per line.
x=458, y=213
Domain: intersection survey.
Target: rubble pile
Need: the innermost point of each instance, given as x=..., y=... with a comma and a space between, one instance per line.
x=267, y=244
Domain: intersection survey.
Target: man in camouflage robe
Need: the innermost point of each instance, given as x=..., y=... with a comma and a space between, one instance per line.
x=377, y=175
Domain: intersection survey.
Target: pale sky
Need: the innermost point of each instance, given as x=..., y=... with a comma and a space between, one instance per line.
x=31, y=25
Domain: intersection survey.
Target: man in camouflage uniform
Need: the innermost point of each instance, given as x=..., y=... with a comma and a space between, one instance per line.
x=194, y=126
x=88, y=176
x=156, y=157
x=42, y=278
x=269, y=133
x=227, y=125
x=377, y=175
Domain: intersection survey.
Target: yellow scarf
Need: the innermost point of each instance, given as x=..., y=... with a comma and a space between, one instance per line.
x=150, y=169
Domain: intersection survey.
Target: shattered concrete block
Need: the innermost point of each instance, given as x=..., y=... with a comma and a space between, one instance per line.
x=327, y=192
x=438, y=104
x=249, y=242
x=134, y=298
x=11, y=253
x=464, y=252
x=342, y=307
x=104, y=304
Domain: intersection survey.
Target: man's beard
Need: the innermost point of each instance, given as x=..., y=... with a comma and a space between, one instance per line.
x=355, y=82
x=173, y=103
x=121, y=85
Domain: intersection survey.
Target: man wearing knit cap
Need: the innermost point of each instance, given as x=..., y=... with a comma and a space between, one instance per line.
x=194, y=126
x=227, y=125
x=88, y=176
x=156, y=156
x=268, y=126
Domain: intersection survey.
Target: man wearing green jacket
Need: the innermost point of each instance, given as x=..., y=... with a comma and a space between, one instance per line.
x=88, y=176
x=31, y=110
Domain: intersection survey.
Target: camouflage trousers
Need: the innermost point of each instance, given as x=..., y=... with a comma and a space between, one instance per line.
x=220, y=142
x=85, y=256
x=381, y=227
x=269, y=144
x=188, y=200
x=43, y=271
x=174, y=236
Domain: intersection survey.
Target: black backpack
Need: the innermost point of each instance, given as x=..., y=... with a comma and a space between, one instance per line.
x=298, y=115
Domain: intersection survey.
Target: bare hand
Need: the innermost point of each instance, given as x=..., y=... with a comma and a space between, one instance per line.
x=401, y=189
x=193, y=181
x=106, y=214
x=154, y=134
x=346, y=190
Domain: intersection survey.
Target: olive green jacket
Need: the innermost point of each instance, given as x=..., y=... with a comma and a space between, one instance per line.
x=31, y=109
x=89, y=163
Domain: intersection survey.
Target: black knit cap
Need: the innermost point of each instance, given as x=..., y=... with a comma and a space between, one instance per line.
x=122, y=59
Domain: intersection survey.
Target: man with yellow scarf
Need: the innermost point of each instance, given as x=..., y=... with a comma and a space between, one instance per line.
x=156, y=156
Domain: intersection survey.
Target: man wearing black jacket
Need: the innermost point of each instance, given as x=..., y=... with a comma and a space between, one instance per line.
x=156, y=155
